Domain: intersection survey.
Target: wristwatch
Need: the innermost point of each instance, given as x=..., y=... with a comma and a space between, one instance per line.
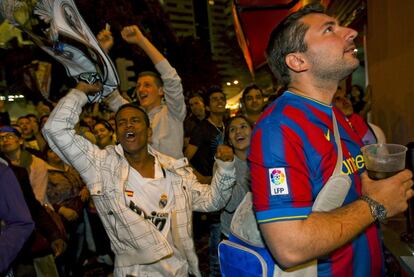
x=378, y=211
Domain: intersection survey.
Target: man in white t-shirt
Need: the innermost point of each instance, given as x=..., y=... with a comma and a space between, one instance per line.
x=145, y=199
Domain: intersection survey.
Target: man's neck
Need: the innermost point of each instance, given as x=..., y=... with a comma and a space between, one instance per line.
x=322, y=91
x=14, y=156
x=152, y=106
x=241, y=154
x=253, y=117
x=143, y=163
x=216, y=119
x=200, y=116
x=27, y=136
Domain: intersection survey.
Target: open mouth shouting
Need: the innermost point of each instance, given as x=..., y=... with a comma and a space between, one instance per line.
x=129, y=136
x=240, y=139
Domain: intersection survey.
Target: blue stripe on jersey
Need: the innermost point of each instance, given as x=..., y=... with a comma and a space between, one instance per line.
x=359, y=246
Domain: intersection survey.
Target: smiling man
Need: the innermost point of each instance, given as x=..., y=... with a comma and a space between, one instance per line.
x=144, y=198
x=291, y=158
x=253, y=103
x=200, y=151
x=166, y=119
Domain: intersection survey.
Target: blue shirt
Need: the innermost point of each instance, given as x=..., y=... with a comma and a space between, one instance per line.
x=16, y=216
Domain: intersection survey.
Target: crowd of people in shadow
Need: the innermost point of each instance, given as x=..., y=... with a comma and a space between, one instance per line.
x=128, y=186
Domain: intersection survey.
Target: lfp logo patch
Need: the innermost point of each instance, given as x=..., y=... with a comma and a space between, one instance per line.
x=278, y=182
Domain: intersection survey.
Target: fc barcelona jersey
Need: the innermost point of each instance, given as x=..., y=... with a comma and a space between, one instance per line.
x=293, y=153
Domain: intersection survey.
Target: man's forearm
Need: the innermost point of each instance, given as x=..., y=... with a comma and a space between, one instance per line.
x=151, y=51
x=321, y=233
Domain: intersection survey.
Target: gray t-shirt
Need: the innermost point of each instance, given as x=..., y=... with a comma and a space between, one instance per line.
x=239, y=191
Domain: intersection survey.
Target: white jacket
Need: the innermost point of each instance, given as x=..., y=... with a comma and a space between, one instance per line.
x=134, y=240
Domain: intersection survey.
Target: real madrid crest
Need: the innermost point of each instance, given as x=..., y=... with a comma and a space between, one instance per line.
x=163, y=201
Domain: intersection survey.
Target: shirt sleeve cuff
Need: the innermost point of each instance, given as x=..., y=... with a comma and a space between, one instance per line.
x=283, y=214
x=225, y=166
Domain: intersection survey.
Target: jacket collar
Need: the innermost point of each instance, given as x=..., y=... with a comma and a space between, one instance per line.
x=166, y=162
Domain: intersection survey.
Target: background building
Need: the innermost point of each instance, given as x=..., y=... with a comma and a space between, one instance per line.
x=211, y=22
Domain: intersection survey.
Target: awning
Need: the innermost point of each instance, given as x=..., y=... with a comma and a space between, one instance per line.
x=255, y=19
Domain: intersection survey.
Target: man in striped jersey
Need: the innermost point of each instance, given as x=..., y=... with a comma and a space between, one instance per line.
x=293, y=153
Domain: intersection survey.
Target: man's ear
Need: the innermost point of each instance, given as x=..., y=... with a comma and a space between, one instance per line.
x=296, y=62
x=161, y=91
x=149, y=135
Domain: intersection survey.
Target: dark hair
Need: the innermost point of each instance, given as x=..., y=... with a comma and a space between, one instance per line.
x=43, y=116
x=248, y=88
x=22, y=117
x=32, y=115
x=134, y=106
x=227, y=130
x=212, y=90
x=158, y=80
x=288, y=37
x=196, y=95
x=82, y=123
x=105, y=124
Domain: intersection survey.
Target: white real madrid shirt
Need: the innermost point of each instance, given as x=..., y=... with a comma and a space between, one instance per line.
x=154, y=200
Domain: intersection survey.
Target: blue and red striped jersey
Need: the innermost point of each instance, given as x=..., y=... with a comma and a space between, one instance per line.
x=292, y=155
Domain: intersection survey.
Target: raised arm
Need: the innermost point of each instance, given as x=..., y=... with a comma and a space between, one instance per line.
x=133, y=35
x=208, y=198
x=105, y=39
x=173, y=90
x=60, y=134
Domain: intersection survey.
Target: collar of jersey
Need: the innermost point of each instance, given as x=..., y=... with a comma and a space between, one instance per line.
x=310, y=99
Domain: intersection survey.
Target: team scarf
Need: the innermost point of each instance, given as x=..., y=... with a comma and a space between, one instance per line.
x=70, y=41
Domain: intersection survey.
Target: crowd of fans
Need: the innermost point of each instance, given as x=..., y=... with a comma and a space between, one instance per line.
x=68, y=236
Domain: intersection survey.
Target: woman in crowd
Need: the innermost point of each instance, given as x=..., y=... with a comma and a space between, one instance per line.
x=237, y=135
x=104, y=133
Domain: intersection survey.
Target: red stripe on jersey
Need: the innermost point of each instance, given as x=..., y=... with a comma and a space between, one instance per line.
x=341, y=119
x=324, y=117
x=300, y=188
x=375, y=250
x=342, y=261
x=316, y=138
x=258, y=173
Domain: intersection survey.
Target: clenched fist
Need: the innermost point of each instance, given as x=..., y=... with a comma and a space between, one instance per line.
x=224, y=153
x=132, y=34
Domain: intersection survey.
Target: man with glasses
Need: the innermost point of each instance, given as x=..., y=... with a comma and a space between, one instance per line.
x=11, y=143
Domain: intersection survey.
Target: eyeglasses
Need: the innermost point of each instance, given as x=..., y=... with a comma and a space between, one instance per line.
x=7, y=137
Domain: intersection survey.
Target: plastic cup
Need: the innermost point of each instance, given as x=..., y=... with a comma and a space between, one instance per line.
x=384, y=160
